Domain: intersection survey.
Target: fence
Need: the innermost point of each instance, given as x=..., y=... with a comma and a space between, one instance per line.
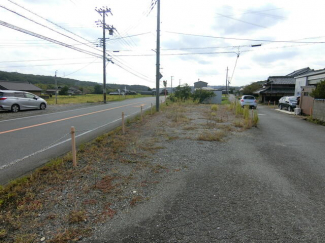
x=319, y=109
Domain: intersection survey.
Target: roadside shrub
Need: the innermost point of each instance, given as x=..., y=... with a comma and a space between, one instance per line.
x=319, y=92
x=201, y=95
x=183, y=93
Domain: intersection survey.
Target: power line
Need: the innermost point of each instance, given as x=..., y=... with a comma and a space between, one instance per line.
x=245, y=22
x=47, y=27
x=242, y=39
x=47, y=20
x=44, y=65
x=42, y=60
x=5, y=24
x=79, y=69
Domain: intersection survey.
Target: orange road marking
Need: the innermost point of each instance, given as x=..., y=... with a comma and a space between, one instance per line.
x=63, y=119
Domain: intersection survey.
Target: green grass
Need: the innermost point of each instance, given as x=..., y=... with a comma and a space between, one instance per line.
x=89, y=98
x=225, y=100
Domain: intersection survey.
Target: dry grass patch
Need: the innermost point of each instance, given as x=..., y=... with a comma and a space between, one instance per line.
x=77, y=216
x=212, y=135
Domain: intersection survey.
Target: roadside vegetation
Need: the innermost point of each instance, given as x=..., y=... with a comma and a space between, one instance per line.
x=61, y=203
x=89, y=98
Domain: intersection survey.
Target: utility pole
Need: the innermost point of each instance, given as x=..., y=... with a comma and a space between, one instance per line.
x=104, y=12
x=227, y=81
x=180, y=83
x=56, y=89
x=171, y=83
x=158, y=75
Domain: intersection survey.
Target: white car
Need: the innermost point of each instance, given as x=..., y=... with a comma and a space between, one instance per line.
x=248, y=100
x=19, y=100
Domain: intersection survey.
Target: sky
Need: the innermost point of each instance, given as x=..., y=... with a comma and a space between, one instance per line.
x=199, y=40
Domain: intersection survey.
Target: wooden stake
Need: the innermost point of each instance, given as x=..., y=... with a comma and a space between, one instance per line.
x=123, y=124
x=141, y=113
x=74, y=151
x=151, y=109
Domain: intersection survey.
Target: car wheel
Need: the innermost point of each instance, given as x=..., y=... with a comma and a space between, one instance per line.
x=42, y=106
x=280, y=106
x=289, y=108
x=15, y=108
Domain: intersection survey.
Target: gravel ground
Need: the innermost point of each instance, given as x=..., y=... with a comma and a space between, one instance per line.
x=120, y=179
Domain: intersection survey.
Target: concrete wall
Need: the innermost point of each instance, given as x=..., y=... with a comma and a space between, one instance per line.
x=306, y=101
x=216, y=99
x=319, y=110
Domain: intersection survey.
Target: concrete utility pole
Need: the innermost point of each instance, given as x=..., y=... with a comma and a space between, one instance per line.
x=227, y=81
x=158, y=75
x=104, y=12
x=171, y=84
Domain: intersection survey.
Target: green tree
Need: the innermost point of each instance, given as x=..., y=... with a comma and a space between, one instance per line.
x=183, y=93
x=201, y=95
x=319, y=91
x=98, y=89
x=64, y=90
x=250, y=89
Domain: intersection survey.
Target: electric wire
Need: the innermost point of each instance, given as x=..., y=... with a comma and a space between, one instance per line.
x=79, y=69
x=242, y=21
x=244, y=39
x=5, y=24
x=47, y=20
x=49, y=28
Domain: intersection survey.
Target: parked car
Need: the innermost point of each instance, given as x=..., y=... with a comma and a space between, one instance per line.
x=248, y=100
x=19, y=100
x=288, y=102
x=129, y=92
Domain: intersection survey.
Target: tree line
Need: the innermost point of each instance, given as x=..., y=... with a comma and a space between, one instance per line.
x=48, y=82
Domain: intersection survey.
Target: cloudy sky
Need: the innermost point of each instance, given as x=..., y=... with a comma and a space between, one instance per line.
x=199, y=39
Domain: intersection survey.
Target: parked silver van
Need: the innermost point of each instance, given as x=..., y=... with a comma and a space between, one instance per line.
x=19, y=100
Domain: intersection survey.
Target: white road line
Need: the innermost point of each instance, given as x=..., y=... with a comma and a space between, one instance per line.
x=57, y=144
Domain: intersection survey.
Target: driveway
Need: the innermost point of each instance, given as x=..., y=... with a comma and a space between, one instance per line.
x=263, y=185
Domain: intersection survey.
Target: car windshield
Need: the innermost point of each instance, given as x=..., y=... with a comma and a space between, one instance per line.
x=249, y=98
x=293, y=99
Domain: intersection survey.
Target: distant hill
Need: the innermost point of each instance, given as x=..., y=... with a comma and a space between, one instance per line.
x=45, y=82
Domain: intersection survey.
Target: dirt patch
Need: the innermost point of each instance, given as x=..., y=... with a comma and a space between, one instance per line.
x=115, y=173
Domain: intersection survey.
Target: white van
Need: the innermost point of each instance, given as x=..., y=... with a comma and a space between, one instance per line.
x=19, y=100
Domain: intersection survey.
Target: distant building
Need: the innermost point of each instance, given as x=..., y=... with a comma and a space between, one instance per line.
x=74, y=91
x=28, y=87
x=200, y=84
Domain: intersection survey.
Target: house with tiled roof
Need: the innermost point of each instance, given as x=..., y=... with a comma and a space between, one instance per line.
x=305, y=84
x=28, y=87
x=276, y=87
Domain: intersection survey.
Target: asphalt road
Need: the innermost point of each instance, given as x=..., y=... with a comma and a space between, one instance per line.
x=264, y=185
x=29, y=142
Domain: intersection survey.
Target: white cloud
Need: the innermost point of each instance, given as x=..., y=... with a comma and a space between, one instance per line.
x=271, y=20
